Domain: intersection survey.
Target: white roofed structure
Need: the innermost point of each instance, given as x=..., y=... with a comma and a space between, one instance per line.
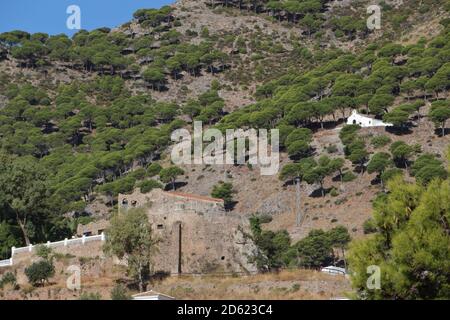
x=365, y=122
x=152, y=295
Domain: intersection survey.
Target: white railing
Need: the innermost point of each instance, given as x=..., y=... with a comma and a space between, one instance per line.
x=6, y=263
x=66, y=242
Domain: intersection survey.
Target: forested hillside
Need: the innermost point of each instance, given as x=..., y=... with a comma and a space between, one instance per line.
x=85, y=118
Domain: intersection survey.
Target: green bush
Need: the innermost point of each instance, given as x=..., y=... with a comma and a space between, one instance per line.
x=380, y=141
x=137, y=174
x=348, y=176
x=149, y=185
x=43, y=251
x=154, y=169
x=424, y=8
x=90, y=296
x=332, y=148
x=315, y=250
x=369, y=226
x=390, y=173
x=8, y=278
x=334, y=192
x=223, y=191
x=119, y=292
x=39, y=272
x=205, y=32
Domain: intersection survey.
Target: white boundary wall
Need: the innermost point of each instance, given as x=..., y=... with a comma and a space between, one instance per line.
x=66, y=243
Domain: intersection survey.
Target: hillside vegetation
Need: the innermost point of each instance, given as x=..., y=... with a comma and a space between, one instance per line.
x=85, y=118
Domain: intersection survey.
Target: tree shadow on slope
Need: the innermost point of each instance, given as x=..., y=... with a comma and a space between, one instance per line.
x=175, y=186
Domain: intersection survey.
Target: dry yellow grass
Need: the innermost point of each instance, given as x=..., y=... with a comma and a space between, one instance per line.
x=295, y=284
x=101, y=276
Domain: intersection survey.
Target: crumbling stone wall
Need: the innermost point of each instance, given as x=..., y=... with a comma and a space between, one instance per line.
x=162, y=202
x=196, y=234
x=92, y=228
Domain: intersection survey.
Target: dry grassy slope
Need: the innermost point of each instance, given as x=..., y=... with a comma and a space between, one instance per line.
x=418, y=24
x=101, y=275
x=195, y=15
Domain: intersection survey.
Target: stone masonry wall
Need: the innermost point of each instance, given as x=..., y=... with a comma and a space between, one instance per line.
x=212, y=240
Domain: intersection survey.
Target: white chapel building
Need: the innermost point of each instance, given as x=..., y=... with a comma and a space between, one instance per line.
x=364, y=121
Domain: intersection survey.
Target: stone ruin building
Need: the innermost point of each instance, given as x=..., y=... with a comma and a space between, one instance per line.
x=196, y=234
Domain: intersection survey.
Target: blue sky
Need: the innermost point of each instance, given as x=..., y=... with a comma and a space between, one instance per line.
x=50, y=15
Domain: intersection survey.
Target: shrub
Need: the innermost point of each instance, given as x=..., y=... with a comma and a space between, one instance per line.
x=84, y=220
x=90, y=296
x=84, y=260
x=427, y=167
x=205, y=32
x=138, y=174
x=149, y=185
x=390, y=173
x=380, y=141
x=64, y=257
x=154, y=169
x=39, y=272
x=334, y=192
x=223, y=191
x=191, y=33
x=315, y=250
x=369, y=226
x=348, y=176
x=119, y=292
x=8, y=278
x=43, y=251
x=332, y=148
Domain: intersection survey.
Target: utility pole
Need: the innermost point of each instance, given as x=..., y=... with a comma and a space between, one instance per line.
x=299, y=214
x=179, y=248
